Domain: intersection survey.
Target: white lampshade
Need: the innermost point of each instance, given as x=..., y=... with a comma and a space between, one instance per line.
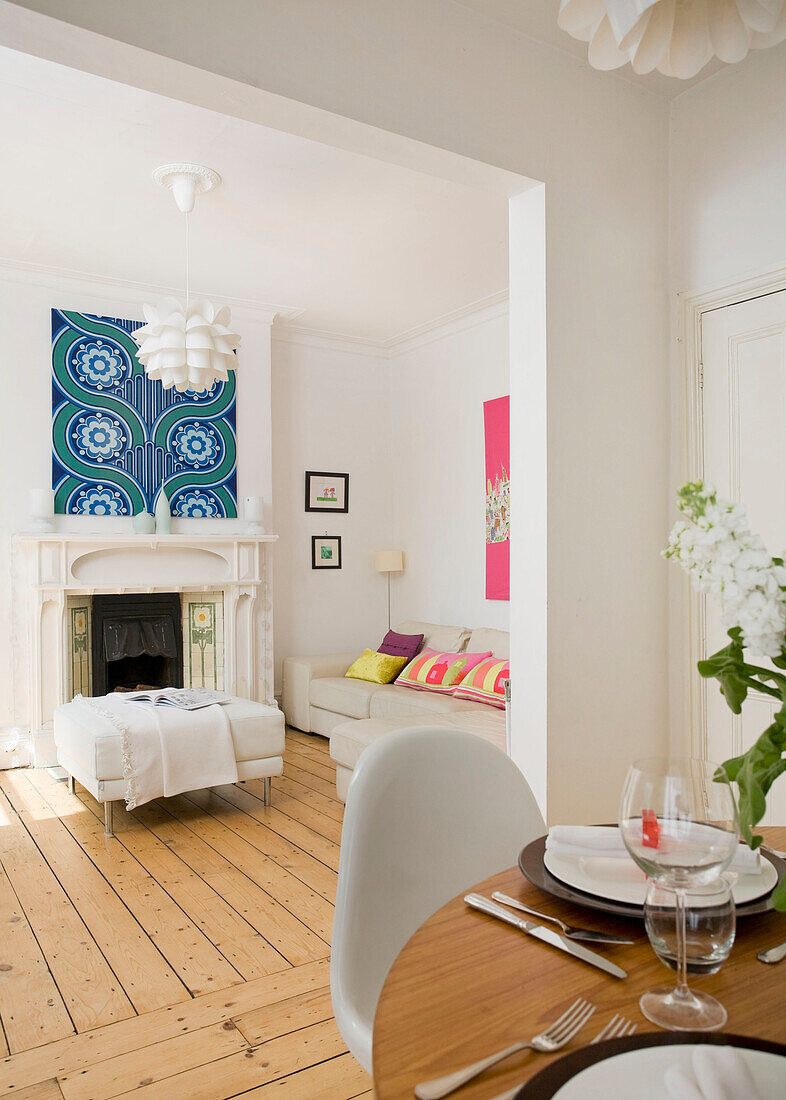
x=188, y=347
x=389, y=561
x=676, y=37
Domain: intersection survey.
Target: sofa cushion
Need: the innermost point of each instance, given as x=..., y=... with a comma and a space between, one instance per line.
x=349, y=739
x=440, y=672
x=324, y=722
x=336, y=693
x=485, y=683
x=393, y=701
x=498, y=641
x=401, y=645
x=448, y=638
x=375, y=668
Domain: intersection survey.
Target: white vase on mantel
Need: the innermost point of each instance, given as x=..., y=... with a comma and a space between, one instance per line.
x=163, y=514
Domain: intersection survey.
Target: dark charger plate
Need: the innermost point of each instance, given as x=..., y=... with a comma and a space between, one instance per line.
x=547, y=1083
x=534, y=869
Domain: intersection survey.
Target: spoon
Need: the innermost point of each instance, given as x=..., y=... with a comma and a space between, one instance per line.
x=773, y=955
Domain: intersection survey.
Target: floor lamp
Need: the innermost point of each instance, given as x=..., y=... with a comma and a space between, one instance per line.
x=389, y=561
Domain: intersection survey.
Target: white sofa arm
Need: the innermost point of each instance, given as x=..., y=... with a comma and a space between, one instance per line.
x=298, y=673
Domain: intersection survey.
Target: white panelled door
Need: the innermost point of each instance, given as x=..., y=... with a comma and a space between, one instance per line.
x=743, y=412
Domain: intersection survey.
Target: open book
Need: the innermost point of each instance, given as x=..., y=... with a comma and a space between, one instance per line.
x=182, y=698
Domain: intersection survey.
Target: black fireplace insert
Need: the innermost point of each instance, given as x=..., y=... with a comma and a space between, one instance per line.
x=137, y=641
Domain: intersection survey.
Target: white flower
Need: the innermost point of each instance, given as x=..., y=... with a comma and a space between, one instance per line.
x=714, y=545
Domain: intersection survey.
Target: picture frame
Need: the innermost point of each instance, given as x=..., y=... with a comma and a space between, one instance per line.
x=326, y=492
x=326, y=551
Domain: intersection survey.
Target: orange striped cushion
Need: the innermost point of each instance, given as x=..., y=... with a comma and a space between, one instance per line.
x=486, y=682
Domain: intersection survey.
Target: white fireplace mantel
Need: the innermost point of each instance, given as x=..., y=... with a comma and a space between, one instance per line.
x=53, y=566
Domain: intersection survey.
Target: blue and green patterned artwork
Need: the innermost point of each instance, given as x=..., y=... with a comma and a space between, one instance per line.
x=117, y=435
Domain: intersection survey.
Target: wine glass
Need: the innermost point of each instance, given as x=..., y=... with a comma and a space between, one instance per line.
x=678, y=823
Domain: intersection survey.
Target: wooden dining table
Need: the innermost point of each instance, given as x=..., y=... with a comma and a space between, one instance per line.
x=466, y=985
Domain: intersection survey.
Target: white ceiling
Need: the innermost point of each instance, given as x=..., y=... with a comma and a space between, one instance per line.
x=538, y=19
x=363, y=248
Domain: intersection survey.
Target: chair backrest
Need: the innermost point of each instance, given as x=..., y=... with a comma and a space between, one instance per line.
x=429, y=813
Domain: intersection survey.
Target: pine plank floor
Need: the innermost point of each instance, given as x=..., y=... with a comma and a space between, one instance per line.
x=185, y=957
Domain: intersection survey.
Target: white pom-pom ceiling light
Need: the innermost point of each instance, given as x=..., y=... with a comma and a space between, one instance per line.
x=676, y=37
x=189, y=346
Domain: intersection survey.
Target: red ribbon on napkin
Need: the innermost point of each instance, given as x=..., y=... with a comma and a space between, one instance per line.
x=650, y=830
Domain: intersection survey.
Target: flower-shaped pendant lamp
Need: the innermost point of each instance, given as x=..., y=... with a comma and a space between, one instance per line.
x=189, y=346
x=676, y=37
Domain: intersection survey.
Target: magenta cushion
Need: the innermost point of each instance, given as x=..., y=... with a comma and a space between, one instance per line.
x=401, y=645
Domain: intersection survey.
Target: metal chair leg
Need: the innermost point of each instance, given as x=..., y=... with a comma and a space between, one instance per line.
x=267, y=796
x=70, y=784
x=108, y=817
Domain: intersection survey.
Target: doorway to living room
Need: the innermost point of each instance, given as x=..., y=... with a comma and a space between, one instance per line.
x=460, y=243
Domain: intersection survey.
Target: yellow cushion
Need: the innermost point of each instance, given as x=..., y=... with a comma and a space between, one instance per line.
x=377, y=668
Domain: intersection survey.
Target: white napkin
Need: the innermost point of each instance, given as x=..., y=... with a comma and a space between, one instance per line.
x=606, y=841
x=719, y=1073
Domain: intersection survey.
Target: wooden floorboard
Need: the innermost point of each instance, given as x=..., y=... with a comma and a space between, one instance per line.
x=144, y=974
x=187, y=956
x=90, y=990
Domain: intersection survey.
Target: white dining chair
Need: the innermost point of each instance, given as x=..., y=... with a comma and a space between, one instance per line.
x=429, y=813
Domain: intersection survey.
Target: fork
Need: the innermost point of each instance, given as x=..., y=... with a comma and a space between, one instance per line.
x=616, y=1028
x=568, y=930
x=555, y=1037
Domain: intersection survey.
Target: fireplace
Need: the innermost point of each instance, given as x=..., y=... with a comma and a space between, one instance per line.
x=136, y=641
x=226, y=588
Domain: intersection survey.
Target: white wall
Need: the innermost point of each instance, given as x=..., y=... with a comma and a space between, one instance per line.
x=330, y=412
x=437, y=392
x=407, y=426
x=446, y=76
x=728, y=174
x=728, y=222
x=26, y=436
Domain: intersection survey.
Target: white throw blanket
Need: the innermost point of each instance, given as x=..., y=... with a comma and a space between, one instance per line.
x=166, y=750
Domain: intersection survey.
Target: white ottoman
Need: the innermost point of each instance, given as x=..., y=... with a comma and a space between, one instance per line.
x=94, y=757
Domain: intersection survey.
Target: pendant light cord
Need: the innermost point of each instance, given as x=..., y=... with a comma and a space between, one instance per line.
x=188, y=261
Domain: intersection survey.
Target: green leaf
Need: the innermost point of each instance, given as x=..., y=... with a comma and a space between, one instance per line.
x=779, y=895
x=755, y=772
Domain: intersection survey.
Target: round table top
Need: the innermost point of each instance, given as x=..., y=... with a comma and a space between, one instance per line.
x=466, y=985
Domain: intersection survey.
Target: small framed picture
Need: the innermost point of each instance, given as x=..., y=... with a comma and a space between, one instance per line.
x=326, y=551
x=327, y=492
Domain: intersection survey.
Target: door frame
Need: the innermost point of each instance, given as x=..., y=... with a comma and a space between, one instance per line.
x=692, y=609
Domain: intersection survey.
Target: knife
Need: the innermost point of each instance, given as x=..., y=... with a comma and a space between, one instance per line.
x=547, y=935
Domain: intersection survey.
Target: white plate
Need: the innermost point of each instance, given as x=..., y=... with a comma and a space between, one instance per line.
x=621, y=880
x=639, y=1074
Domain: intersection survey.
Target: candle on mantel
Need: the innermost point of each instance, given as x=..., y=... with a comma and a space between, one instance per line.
x=252, y=513
x=41, y=505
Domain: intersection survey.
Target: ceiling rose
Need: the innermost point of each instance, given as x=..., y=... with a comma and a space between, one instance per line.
x=676, y=37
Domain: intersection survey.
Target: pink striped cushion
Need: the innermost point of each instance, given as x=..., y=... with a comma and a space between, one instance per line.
x=485, y=683
x=432, y=670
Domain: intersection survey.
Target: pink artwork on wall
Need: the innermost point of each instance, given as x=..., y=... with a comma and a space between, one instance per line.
x=496, y=419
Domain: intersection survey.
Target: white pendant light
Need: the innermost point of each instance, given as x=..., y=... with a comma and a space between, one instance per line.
x=189, y=346
x=676, y=37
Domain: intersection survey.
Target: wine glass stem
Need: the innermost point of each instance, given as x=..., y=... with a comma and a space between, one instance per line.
x=682, y=945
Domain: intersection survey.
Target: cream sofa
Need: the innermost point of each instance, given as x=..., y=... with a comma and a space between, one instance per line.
x=317, y=698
